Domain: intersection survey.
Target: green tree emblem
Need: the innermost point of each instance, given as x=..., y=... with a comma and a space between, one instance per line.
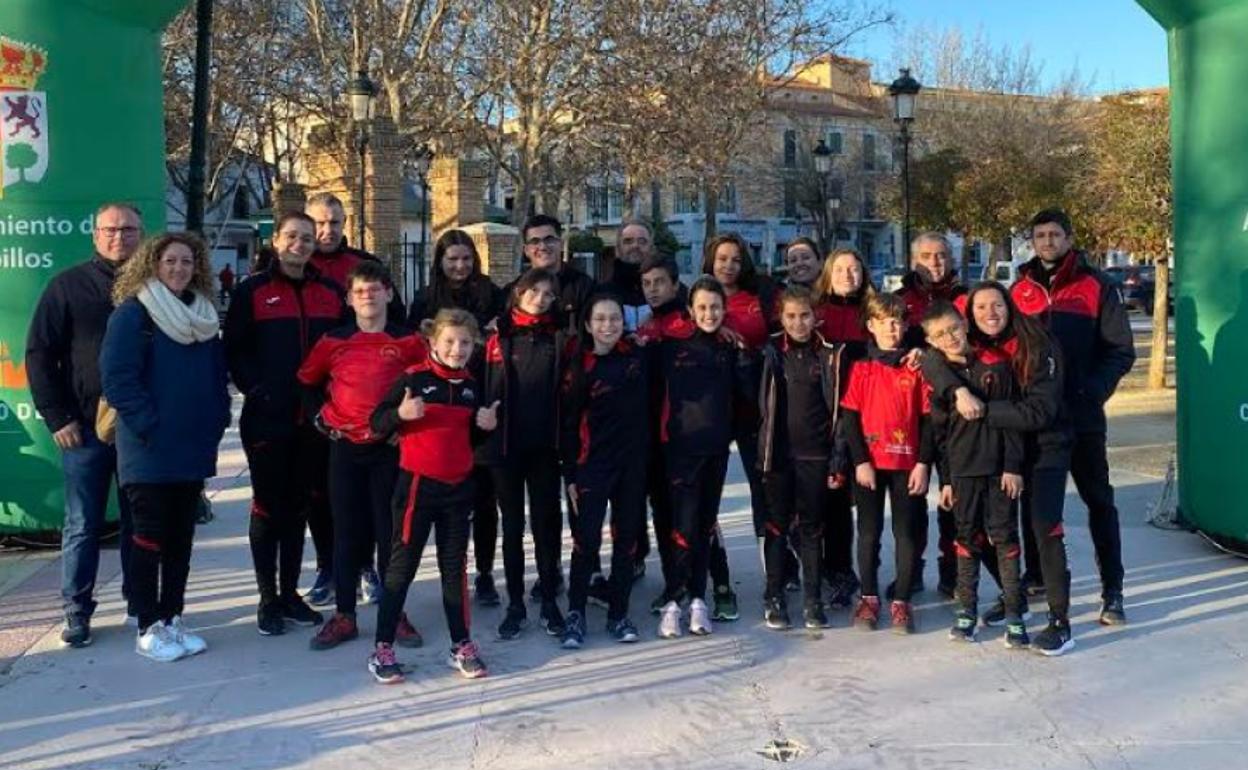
x=21, y=157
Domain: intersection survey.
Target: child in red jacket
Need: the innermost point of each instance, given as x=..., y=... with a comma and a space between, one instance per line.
x=888, y=435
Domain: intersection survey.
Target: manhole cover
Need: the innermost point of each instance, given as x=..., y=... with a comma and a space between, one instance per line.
x=782, y=750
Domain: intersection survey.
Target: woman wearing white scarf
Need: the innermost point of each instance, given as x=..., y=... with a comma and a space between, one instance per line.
x=162, y=368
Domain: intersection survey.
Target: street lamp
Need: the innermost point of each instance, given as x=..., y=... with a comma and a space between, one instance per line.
x=423, y=162
x=361, y=93
x=904, y=91
x=823, y=167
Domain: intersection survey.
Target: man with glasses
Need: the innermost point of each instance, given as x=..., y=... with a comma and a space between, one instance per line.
x=62, y=362
x=543, y=247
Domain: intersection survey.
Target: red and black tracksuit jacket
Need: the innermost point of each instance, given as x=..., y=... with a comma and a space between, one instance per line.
x=840, y=321
x=273, y=323
x=1084, y=312
x=919, y=292
x=359, y=368
x=750, y=314
x=800, y=403
x=604, y=399
x=336, y=265
x=704, y=378
x=438, y=446
x=521, y=367
x=886, y=412
x=976, y=448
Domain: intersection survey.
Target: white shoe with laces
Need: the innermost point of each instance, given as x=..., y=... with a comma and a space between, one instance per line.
x=699, y=618
x=669, y=621
x=194, y=644
x=158, y=644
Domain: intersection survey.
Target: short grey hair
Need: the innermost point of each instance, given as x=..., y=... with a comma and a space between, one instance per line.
x=634, y=221
x=123, y=205
x=324, y=199
x=934, y=237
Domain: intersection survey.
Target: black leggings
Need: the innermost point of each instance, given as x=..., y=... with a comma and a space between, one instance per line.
x=484, y=519
x=420, y=505
x=838, y=532
x=697, y=486
x=905, y=510
x=361, y=483
x=320, y=514
x=164, y=526
x=798, y=493
x=985, y=519
x=596, y=486
x=747, y=450
x=536, y=471
x=1089, y=468
x=283, y=474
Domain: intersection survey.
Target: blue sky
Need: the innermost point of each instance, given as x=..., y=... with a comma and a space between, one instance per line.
x=1115, y=44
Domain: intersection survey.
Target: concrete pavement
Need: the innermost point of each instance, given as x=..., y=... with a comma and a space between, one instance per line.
x=1163, y=692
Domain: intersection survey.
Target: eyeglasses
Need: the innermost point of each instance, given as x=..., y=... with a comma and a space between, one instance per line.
x=550, y=240
x=126, y=231
x=957, y=330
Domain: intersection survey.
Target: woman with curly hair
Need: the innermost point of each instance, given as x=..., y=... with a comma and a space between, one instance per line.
x=162, y=368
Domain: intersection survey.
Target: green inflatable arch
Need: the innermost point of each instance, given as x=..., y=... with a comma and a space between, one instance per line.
x=1209, y=135
x=81, y=122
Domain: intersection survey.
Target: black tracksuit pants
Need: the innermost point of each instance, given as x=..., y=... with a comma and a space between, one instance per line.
x=283, y=475
x=1089, y=467
x=946, y=528
x=838, y=531
x=163, y=518
x=320, y=512
x=361, y=483
x=697, y=486
x=1044, y=496
x=536, y=471
x=906, y=517
x=484, y=519
x=419, y=505
x=797, y=493
x=596, y=485
x=985, y=519
x=747, y=449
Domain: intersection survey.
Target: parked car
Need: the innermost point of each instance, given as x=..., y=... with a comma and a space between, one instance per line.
x=1138, y=284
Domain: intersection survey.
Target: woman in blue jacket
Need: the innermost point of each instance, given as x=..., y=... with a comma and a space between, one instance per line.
x=163, y=369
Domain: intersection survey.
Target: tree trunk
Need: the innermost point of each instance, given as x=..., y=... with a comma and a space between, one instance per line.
x=1161, y=337
x=712, y=208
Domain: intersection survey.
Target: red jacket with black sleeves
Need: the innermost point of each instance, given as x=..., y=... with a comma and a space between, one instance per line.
x=273, y=323
x=439, y=444
x=887, y=412
x=1085, y=314
x=347, y=373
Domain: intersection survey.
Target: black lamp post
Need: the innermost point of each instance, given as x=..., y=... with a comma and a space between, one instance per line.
x=361, y=93
x=423, y=162
x=199, y=118
x=904, y=91
x=823, y=167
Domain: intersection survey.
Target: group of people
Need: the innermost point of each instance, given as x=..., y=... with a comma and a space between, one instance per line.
x=377, y=427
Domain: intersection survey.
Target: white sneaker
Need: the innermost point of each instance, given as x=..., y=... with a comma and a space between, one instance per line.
x=669, y=621
x=699, y=618
x=158, y=644
x=194, y=644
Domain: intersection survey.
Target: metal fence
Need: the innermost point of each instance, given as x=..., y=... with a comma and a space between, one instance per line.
x=408, y=267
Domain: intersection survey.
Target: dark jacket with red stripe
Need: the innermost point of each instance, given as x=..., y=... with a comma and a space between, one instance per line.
x=919, y=292
x=604, y=401
x=886, y=412
x=800, y=404
x=521, y=367
x=572, y=290
x=336, y=265
x=272, y=325
x=1084, y=312
x=975, y=448
x=348, y=372
x=704, y=379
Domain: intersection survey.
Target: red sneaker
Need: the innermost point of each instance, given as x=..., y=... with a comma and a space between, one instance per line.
x=867, y=616
x=338, y=629
x=406, y=635
x=903, y=617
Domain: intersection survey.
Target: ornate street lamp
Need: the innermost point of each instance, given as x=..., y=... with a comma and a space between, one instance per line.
x=423, y=162
x=361, y=92
x=904, y=91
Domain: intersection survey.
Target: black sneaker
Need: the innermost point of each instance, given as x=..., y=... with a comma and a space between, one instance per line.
x=623, y=631
x=726, y=608
x=599, y=592
x=77, y=631
x=269, y=620
x=776, y=615
x=965, y=627
x=1055, y=639
x=486, y=593
x=552, y=620
x=815, y=617
x=1016, y=637
x=513, y=623
x=573, y=631
x=535, y=593
x=994, y=616
x=843, y=586
x=1112, y=613
x=296, y=610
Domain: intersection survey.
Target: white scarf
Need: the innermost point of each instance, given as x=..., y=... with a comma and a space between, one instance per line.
x=182, y=323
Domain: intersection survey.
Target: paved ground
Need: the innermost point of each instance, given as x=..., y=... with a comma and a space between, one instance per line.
x=1164, y=692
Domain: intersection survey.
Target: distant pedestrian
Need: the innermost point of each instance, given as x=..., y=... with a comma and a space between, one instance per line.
x=225, y=280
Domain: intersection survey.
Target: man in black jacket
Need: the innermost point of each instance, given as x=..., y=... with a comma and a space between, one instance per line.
x=62, y=362
x=636, y=245
x=543, y=247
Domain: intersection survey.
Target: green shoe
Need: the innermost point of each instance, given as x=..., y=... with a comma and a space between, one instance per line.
x=725, y=605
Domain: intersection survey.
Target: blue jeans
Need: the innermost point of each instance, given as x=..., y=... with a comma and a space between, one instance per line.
x=90, y=470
